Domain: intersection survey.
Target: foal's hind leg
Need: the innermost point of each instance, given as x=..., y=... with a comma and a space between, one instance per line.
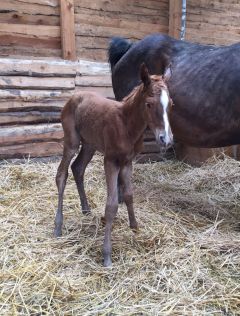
x=126, y=179
x=61, y=178
x=78, y=168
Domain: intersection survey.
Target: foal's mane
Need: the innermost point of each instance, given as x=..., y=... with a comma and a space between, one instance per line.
x=157, y=83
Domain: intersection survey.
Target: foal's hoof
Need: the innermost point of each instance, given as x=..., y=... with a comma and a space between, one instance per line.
x=107, y=263
x=86, y=212
x=57, y=232
x=135, y=228
x=103, y=220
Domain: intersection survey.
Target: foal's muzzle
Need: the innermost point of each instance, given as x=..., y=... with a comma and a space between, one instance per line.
x=164, y=139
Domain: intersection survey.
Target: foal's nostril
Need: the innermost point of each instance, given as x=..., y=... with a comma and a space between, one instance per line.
x=162, y=139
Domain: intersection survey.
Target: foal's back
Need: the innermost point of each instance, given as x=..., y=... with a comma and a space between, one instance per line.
x=98, y=120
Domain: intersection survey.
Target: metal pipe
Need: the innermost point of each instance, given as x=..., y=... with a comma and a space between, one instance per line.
x=183, y=20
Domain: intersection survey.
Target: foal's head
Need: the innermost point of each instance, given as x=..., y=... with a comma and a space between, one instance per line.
x=157, y=106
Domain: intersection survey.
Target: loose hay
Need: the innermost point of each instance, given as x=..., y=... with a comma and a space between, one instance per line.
x=185, y=259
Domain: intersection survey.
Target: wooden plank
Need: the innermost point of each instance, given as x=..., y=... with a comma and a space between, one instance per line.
x=24, y=18
x=25, y=29
x=13, y=41
x=37, y=149
x=25, y=7
x=68, y=29
x=93, y=81
x=30, y=133
x=36, y=68
x=15, y=82
x=18, y=51
x=107, y=92
x=47, y=105
x=175, y=18
x=29, y=117
x=91, y=68
x=34, y=95
x=136, y=7
x=151, y=147
x=148, y=26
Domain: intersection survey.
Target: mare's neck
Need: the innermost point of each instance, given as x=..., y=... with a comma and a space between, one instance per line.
x=133, y=111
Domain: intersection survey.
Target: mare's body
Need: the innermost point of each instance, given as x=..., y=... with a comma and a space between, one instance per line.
x=204, y=85
x=116, y=130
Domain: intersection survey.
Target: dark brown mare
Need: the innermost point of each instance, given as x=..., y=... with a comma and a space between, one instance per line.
x=204, y=85
x=116, y=130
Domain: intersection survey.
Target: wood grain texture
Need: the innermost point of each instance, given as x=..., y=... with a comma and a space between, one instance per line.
x=17, y=135
x=213, y=21
x=30, y=28
x=35, y=149
x=67, y=29
x=175, y=18
x=97, y=21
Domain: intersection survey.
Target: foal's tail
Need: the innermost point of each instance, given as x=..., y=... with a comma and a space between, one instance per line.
x=117, y=48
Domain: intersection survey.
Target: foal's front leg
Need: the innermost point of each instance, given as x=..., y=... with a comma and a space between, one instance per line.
x=126, y=179
x=111, y=172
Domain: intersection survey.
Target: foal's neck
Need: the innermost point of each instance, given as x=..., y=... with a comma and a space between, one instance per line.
x=133, y=110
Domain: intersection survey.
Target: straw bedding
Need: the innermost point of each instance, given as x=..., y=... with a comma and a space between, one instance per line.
x=185, y=259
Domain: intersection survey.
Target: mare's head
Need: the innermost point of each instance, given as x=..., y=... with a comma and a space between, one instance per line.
x=157, y=106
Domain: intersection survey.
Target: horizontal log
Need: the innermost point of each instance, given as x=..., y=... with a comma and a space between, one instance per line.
x=24, y=18
x=116, y=21
x=25, y=7
x=149, y=136
x=15, y=41
x=36, y=68
x=43, y=149
x=93, y=81
x=30, y=133
x=149, y=8
x=25, y=29
x=91, y=54
x=151, y=147
x=104, y=91
x=36, y=51
x=51, y=67
x=34, y=95
x=103, y=31
x=10, y=82
x=12, y=118
x=46, y=105
x=91, y=68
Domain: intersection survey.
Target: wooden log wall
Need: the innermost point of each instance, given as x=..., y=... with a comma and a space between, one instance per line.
x=97, y=21
x=30, y=28
x=213, y=21
x=32, y=94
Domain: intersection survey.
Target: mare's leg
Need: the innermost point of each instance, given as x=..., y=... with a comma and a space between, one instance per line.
x=61, y=178
x=126, y=178
x=78, y=168
x=111, y=172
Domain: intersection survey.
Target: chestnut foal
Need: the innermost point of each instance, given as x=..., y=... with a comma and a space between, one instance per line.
x=116, y=130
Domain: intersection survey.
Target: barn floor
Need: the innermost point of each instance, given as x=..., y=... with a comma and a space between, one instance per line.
x=185, y=260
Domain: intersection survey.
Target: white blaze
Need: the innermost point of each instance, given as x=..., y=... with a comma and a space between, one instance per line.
x=164, y=99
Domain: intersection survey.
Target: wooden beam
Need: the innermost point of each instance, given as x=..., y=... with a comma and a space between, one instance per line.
x=68, y=29
x=175, y=18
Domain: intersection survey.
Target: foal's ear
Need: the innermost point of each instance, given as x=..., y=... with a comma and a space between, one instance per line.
x=144, y=74
x=167, y=73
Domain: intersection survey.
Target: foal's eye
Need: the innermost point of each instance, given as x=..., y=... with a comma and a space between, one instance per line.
x=148, y=105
